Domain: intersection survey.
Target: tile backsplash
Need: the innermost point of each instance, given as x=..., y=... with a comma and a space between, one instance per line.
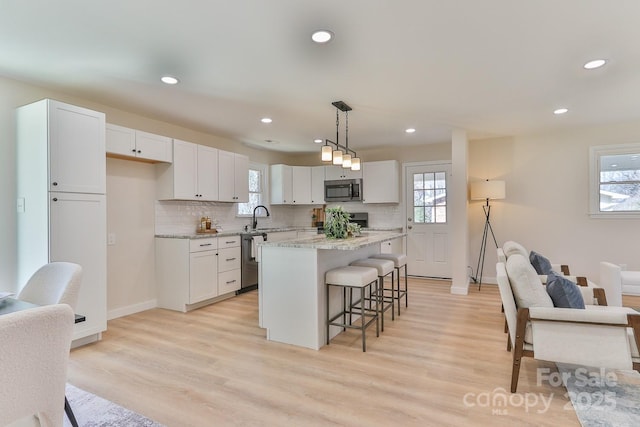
x=184, y=216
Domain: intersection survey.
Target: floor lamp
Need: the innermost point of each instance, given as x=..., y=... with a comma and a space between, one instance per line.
x=486, y=190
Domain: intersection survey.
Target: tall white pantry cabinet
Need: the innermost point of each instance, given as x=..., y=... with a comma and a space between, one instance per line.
x=61, y=190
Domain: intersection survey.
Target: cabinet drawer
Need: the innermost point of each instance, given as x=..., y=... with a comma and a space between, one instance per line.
x=228, y=281
x=197, y=245
x=229, y=259
x=228, y=242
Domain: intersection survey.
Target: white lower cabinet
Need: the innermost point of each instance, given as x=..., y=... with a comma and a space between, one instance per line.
x=228, y=264
x=192, y=273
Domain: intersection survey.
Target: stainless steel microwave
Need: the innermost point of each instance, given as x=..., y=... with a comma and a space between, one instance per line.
x=343, y=190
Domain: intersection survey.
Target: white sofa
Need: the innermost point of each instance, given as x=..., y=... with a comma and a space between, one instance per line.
x=618, y=281
x=510, y=247
x=598, y=336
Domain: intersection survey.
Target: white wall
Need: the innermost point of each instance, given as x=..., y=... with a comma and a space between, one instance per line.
x=547, y=199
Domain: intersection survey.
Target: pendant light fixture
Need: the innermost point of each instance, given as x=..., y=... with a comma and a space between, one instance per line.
x=333, y=151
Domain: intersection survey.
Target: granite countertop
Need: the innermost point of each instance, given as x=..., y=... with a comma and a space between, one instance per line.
x=225, y=233
x=322, y=242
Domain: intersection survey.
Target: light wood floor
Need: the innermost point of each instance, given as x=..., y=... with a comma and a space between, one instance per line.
x=214, y=367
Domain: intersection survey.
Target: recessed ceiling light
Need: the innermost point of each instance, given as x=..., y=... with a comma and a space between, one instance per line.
x=596, y=63
x=317, y=141
x=266, y=120
x=410, y=130
x=560, y=111
x=170, y=80
x=322, y=36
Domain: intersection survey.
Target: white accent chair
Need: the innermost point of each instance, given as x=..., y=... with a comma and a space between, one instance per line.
x=53, y=283
x=34, y=356
x=598, y=336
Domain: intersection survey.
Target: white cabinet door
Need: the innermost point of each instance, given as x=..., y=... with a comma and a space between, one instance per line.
x=338, y=172
x=241, y=177
x=317, y=185
x=78, y=233
x=184, y=171
x=381, y=182
x=233, y=170
x=120, y=140
x=76, y=149
x=301, y=185
x=207, y=181
x=153, y=147
x=203, y=276
x=281, y=189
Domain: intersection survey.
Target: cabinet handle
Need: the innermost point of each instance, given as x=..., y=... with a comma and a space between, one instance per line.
x=233, y=241
x=230, y=259
x=231, y=281
x=139, y=151
x=55, y=199
x=205, y=244
x=55, y=184
x=134, y=150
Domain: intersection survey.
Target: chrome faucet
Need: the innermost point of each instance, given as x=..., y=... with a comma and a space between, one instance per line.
x=254, y=221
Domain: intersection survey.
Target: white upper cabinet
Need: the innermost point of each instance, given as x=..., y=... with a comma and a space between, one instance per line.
x=281, y=177
x=193, y=175
x=135, y=144
x=291, y=185
x=301, y=185
x=317, y=185
x=76, y=147
x=233, y=177
x=338, y=172
x=381, y=182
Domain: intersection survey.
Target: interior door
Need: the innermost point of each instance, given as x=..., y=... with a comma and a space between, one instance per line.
x=428, y=219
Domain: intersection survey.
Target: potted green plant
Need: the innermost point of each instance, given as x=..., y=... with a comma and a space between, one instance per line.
x=337, y=225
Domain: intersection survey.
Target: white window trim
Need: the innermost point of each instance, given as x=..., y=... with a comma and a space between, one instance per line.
x=265, y=190
x=595, y=153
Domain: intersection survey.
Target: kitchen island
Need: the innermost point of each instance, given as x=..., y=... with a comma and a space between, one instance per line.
x=292, y=288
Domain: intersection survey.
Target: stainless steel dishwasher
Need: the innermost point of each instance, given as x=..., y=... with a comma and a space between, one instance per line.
x=249, y=265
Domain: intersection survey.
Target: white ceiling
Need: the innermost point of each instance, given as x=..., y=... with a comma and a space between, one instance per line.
x=492, y=67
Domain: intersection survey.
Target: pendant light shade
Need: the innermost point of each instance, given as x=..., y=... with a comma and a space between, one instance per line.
x=346, y=161
x=337, y=157
x=355, y=164
x=327, y=153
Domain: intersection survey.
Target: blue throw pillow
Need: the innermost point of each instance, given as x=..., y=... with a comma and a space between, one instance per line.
x=563, y=292
x=540, y=263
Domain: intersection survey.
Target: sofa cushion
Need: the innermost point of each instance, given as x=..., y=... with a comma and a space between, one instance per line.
x=541, y=264
x=526, y=285
x=563, y=292
x=510, y=248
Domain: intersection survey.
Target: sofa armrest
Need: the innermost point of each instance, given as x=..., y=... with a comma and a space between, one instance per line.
x=501, y=256
x=594, y=314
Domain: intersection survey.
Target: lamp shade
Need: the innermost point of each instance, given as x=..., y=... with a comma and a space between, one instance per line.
x=337, y=157
x=483, y=190
x=327, y=152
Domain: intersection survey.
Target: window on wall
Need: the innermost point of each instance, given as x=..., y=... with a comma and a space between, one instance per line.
x=430, y=198
x=615, y=180
x=257, y=192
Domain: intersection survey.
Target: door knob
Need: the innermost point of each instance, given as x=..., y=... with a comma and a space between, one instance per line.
x=409, y=219
x=409, y=227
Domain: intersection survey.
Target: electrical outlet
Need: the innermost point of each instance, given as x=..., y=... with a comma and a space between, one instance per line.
x=111, y=239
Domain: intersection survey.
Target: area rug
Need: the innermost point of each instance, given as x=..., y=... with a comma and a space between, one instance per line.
x=603, y=397
x=93, y=411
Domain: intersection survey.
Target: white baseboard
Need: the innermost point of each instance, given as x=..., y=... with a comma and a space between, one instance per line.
x=131, y=309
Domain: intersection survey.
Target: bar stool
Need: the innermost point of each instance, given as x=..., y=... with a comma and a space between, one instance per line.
x=399, y=261
x=384, y=267
x=350, y=278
